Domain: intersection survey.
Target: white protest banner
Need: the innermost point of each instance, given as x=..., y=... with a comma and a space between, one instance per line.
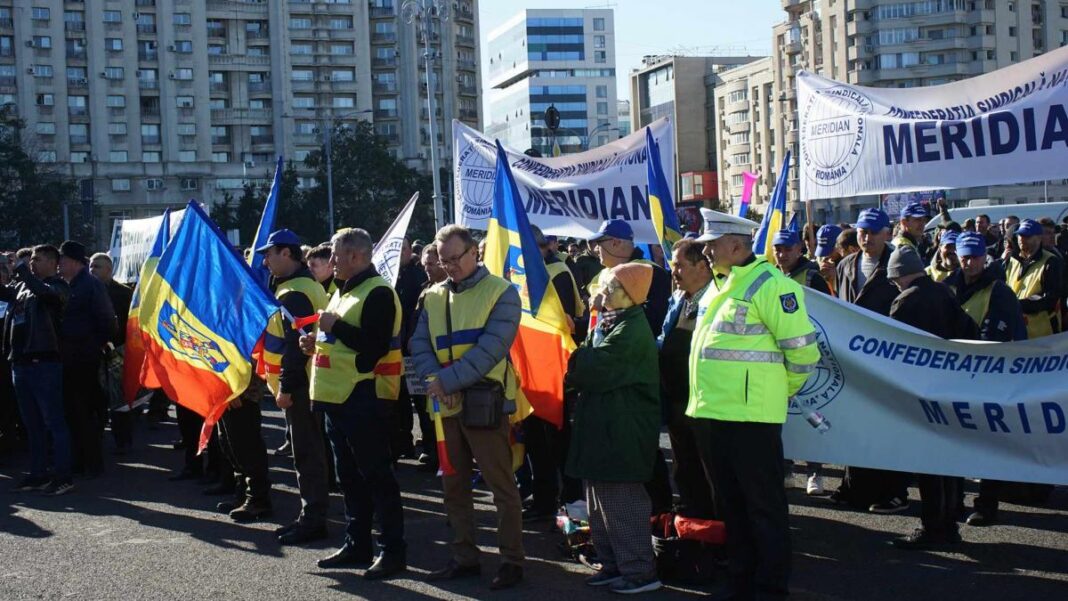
x=1008, y=126
x=897, y=398
x=131, y=241
x=567, y=195
x=386, y=254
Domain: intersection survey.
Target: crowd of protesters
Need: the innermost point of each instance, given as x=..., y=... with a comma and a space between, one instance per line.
x=350, y=418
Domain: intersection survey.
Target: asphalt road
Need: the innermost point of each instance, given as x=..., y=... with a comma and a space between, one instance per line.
x=131, y=534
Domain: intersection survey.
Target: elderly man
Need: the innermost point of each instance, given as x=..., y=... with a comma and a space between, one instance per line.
x=929, y=306
x=355, y=368
x=101, y=267
x=753, y=348
x=862, y=281
x=1035, y=275
x=460, y=349
x=616, y=431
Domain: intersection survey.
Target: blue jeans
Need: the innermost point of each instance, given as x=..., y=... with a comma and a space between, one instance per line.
x=39, y=390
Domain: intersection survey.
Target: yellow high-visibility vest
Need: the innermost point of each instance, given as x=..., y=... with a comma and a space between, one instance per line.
x=274, y=340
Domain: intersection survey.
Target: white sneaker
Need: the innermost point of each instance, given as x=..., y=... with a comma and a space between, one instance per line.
x=815, y=486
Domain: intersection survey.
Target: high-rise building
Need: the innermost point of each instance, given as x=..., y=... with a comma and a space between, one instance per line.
x=747, y=136
x=555, y=57
x=623, y=117
x=682, y=88
x=883, y=43
x=160, y=101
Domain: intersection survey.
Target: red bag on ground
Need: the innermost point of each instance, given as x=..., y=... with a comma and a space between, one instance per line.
x=713, y=532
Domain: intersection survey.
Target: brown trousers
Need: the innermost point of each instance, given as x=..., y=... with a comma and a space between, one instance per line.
x=489, y=448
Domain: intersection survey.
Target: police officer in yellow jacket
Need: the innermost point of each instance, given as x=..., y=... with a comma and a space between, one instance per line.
x=753, y=348
x=356, y=369
x=288, y=371
x=1034, y=274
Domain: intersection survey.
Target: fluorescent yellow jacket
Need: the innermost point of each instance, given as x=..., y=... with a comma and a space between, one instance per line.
x=469, y=310
x=274, y=341
x=753, y=346
x=334, y=374
x=556, y=269
x=1027, y=284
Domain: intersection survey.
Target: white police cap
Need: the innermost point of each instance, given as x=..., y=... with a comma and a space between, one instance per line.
x=721, y=224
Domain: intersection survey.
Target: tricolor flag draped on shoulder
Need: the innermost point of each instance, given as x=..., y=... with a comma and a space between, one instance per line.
x=200, y=317
x=134, y=355
x=543, y=344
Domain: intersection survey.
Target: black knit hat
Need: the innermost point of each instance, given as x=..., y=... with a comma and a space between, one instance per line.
x=73, y=250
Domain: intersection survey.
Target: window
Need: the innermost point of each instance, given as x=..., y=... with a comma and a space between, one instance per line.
x=303, y=102
x=183, y=19
x=341, y=49
x=116, y=129
x=183, y=46
x=150, y=133
x=343, y=75
x=112, y=16
x=216, y=49
x=46, y=156
x=79, y=133
x=46, y=100
x=45, y=128
x=1012, y=32
x=79, y=156
x=150, y=156
x=306, y=128
x=120, y=185
x=259, y=104
x=183, y=74
x=599, y=56
x=118, y=156
x=598, y=24
x=189, y=183
x=302, y=75
x=116, y=102
x=344, y=102
x=114, y=72
x=300, y=49
x=153, y=183
x=42, y=41
x=187, y=156
x=300, y=23
x=184, y=102
x=602, y=108
x=41, y=13
x=220, y=134
x=220, y=157
x=602, y=91
x=42, y=71
x=598, y=41
x=187, y=129
x=341, y=23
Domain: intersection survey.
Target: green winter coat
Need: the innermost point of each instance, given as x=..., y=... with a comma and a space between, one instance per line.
x=616, y=421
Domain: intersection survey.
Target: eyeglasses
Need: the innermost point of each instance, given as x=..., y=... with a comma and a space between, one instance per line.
x=454, y=261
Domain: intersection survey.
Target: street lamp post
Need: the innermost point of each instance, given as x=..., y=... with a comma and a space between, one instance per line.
x=607, y=125
x=422, y=13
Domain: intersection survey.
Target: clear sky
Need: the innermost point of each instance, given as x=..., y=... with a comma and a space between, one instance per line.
x=694, y=27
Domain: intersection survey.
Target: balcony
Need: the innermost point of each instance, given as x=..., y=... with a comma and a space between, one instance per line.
x=385, y=88
x=306, y=139
x=391, y=138
x=7, y=81
x=469, y=114
x=145, y=3
x=68, y=25
x=259, y=87
x=465, y=40
x=385, y=113
x=150, y=111
x=148, y=84
x=257, y=34
x=466, y=90
x=218, y=86
x=77, y=82
x=71, y=54
x=150, y=140
x=148, y=55
x=792, y=46
x=240, y=116
x=262, y=139
x=390, y=61
x=146, y=28
x=466, y=64
x=216, y=32
x=382, y=11
x=11, y=52
x=221, y=140
x=78, y=140
x=239, y=60
x=383, y=37
x=78, y=111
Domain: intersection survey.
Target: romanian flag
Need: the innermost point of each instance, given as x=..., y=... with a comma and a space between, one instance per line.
x=134, y=356
x=775, y=216
x=270, y=209
x=200, y=317
x=665, y=220
x=543, y=344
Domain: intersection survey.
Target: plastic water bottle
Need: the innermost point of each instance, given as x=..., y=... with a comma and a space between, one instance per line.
x=817, y=421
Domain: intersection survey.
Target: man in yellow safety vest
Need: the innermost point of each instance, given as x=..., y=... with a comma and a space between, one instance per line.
x=1035, y=275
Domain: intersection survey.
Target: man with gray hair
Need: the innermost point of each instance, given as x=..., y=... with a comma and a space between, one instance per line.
x=356, y=361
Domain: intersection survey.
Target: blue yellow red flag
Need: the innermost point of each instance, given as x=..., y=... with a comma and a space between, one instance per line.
x=543, y=344
x=775, y=216
x=134, y=353
x=270, y=209
x=200, y=317
x=661, y=207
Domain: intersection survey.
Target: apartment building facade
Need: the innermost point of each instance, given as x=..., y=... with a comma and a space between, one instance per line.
x=160, y=101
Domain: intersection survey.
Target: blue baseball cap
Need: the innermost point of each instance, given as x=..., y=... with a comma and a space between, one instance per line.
x=914, y=209
x=785, y=238
x=873, y=220
x=280, y=238
x=614, y=228
x=971, y=244
x=948, y=238
x=1029, y=227
x=827, y=239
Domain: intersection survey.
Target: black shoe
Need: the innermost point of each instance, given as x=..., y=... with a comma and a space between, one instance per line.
x=385, y=566
x=922, y=539
x=222, y=488
x=227, y=506
x=346, y=556
x=285, y=450
x=534, y=514
x=32, y=483
x=980, y=518
x=299, y=535
x=509, y=575
x=251, y=511
x=454, y=571
x=56, y=488
x=279, y=531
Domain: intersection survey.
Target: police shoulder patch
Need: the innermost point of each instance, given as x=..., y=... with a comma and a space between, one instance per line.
x=788, y=302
